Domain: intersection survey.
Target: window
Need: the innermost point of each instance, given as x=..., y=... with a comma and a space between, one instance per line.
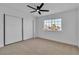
x=52, y=24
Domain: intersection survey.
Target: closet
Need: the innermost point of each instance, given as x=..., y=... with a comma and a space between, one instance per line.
x=1, y=31
x=13, y=29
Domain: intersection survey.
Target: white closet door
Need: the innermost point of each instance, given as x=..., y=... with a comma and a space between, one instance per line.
x=1, y=31
x=13, y=29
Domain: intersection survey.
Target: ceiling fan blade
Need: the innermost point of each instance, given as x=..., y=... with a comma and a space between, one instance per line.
x=39, y=12
x=45, y=10
x=38, y=7
x=31, y=7
x=41, y=5
x=32, y=11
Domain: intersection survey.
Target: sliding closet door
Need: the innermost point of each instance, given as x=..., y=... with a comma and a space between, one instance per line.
x=13, y=29
x=1, y=30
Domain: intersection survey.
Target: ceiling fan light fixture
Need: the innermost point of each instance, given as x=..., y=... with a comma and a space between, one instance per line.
x=38, y=9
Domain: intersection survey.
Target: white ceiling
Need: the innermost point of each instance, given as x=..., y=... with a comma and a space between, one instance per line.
x=53, y=7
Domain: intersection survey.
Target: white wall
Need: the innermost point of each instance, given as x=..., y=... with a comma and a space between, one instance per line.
x=78, y=27
x=68, y=34
x=28, y=30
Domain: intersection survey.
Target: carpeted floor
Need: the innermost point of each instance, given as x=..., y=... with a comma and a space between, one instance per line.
x=38, y=47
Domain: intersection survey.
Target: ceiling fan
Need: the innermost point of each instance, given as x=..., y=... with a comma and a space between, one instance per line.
x=38, y=9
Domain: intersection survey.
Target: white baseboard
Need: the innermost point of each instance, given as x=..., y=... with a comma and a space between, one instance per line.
x=58, y=41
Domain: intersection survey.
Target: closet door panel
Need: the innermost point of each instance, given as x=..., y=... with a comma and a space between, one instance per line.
x=13, y=29
x=1, y=31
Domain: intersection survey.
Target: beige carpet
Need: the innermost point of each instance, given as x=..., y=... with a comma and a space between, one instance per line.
x=38, y=47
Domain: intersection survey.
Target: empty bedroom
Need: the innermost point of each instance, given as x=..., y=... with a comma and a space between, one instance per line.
x=39, y=28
